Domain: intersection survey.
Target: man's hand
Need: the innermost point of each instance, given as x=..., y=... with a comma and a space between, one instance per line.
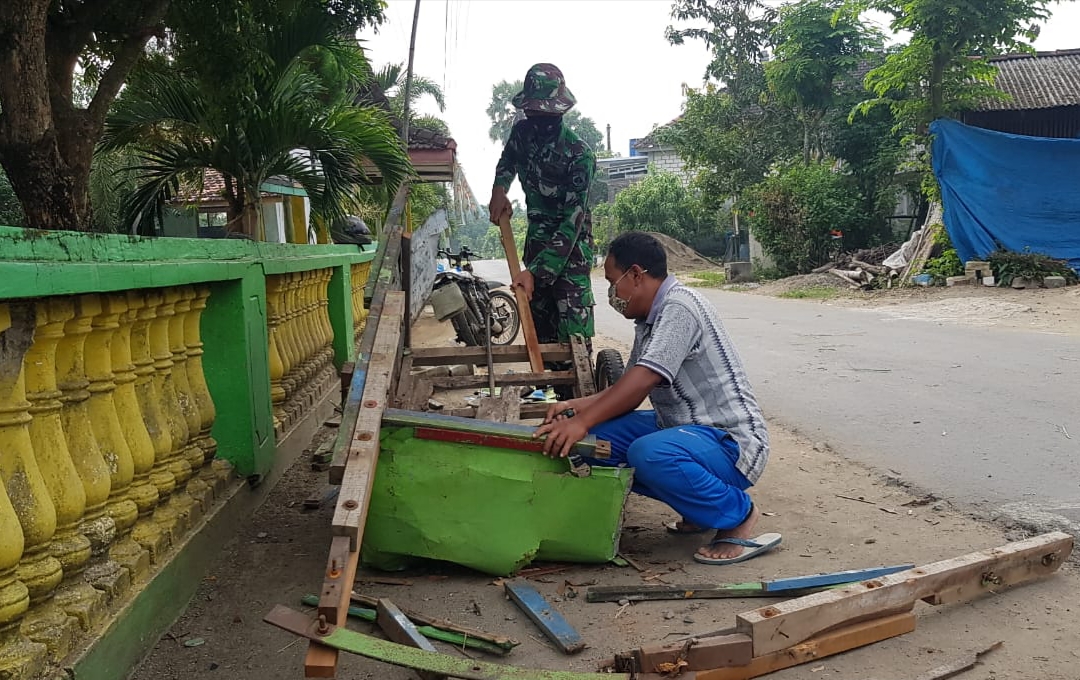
x=499, y=205
x=556, y=410
x=560, y=436
x=524, y=280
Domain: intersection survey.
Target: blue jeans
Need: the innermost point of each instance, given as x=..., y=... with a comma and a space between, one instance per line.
x=690, y=467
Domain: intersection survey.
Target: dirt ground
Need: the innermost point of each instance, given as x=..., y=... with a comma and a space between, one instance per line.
x=1040, y=309
x=279, y=553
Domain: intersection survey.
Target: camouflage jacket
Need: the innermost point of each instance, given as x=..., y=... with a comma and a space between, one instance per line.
x=556, y=176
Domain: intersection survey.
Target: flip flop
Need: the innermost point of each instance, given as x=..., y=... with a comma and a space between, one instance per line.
x=756, y=546
x=673, y=528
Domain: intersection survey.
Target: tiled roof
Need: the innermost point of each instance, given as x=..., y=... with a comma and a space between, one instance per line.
x=213, y=188
x=647, y=142
x=1040, y=81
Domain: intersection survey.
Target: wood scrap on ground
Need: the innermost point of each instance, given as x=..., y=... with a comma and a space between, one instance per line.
x=546, y=618
x=955, y=668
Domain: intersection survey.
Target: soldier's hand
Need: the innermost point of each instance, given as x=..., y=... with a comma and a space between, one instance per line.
x=499, y=205
x=524, y=280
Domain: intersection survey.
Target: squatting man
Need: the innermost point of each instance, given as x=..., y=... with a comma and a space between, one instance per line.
x=705, y=442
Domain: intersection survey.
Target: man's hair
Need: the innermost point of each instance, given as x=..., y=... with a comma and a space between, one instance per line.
x=644, y=250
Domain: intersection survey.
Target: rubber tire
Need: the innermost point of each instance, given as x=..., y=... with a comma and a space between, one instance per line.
x=464, y=324
x=515, y=320
x=609, y=368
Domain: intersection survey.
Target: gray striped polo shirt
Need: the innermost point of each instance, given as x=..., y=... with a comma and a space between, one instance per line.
x=703, y=380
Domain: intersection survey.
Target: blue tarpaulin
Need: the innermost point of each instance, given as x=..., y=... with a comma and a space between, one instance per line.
x=1017, y=191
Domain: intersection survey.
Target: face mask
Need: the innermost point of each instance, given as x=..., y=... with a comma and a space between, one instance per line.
x=616, y=302
x=545, y=127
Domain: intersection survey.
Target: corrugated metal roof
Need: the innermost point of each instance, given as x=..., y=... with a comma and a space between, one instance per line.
x=1040, y=81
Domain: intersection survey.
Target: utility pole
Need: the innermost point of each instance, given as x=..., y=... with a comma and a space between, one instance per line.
x=609, y=137
x=409, y=76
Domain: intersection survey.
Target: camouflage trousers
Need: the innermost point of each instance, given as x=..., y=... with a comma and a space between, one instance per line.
x=560, y=311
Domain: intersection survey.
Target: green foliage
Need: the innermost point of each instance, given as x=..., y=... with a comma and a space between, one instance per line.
x=291, y=89
x=811, y=293
x=792, y=212
x=1008, y=265
x=425, y=198
x=738, y=33
x=11, y=214
x=732, y=138
x=815, y=47
x=502, y=114
x=943, y=266
x=707, y=279
x=943, y=68
x=659, y=203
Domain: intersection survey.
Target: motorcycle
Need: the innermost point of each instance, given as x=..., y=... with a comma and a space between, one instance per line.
x=465, y=298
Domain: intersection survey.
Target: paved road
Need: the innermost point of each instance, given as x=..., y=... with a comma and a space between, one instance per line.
x=967, y=413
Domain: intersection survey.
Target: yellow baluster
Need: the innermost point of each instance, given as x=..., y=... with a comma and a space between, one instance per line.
x=48, y=623
x=309, y=342
x=187, y=402
x=216, y=472
x=142, y=492
x=19, y=657
x=102, y=572
x=143, y=306
x=324, y=323
x=110, y=435
x=163, y=378
x=277, y=355
x=38, y=569
x=292, y=379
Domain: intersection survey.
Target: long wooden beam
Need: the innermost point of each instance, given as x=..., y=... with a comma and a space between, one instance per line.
x=352, y=505
x=359, y=473
x=840, y=640
x=501, y=354
x=457, y=382
x=784, y=624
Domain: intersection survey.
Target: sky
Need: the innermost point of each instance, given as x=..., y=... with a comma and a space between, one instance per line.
x=613, y=54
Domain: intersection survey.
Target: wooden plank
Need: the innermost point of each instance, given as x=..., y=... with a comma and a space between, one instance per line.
x=827, y=644
x=343, y=639
x=528, y=328
x=405, y=268
x=460, y=382
x=504, y=408
x=546, y=618
x=352, y=505
x=527, y=411
x=501, y=354
x=691, y=655
x=522, y=434
x=500, y=641
x=583, y=367
x=346, y=374
x=785, y=585
x=398, y=628
x=786, y=623
x=690, y=591
x=495, y=441
x=403, y=381
x=321, y=661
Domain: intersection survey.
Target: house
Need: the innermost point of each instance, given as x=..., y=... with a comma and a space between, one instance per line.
x=200, y=212
x=661, y=156
x=1044, y=96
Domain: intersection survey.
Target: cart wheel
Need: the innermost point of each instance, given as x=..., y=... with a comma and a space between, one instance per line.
x=609, y=368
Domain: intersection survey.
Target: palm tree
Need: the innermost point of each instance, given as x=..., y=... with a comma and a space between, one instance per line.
x=391, y=80
x=296, y=120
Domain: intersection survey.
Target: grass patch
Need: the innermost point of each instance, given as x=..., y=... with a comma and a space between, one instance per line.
x=810, y=293
x=707, y=279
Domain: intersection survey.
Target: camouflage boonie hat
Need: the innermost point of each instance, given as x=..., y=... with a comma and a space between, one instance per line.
x=545, y=90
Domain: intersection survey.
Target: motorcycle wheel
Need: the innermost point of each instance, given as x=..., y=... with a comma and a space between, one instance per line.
x=504, y=315
x=465, y=324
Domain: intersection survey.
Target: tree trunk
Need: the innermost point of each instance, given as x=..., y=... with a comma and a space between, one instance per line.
x=46, y=142
x=52, y=193
x=937, y=86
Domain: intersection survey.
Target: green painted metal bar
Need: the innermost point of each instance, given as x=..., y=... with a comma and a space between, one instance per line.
x=456, y=639
x=399, y=655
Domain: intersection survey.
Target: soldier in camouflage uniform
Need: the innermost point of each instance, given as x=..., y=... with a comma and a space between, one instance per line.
x=556, y=169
